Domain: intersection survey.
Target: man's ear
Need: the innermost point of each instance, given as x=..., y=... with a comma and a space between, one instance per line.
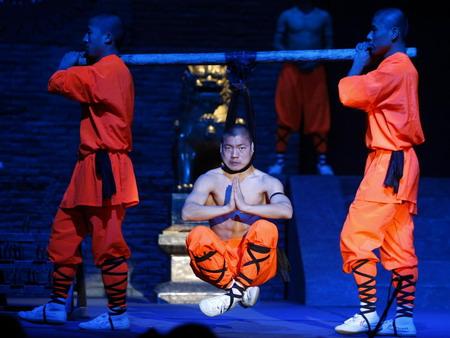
x=108, y=38
x=395, y=33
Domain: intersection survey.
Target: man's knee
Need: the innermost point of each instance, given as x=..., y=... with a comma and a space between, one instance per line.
x=264, y=233
x=196, y=234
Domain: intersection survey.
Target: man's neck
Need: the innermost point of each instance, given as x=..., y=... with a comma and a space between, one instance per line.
x=106, y=53
x=399, y=48
x=240, y=174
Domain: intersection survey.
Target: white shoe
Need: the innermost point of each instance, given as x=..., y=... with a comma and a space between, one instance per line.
x=404, y=327
x=50, y=313
x=357, y=324
x=276, y=169
x=323, y=168
x=215, y=306
x=107, y=322
x=250, y=297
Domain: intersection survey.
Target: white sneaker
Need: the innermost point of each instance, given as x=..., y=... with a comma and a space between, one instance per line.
x=404, y=328
x=357, y=324
x=323, y=168
x=215, y=306
x=250, y=297
x=107, y=322
x=50, y=313
x=276, y=169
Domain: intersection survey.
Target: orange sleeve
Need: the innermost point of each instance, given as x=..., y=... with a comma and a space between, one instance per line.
x=83, y=84
x=389, y=96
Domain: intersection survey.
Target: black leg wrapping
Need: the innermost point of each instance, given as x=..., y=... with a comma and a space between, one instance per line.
x=116, y=296
x=61, y=286
x=200, y=259
x=250, y=249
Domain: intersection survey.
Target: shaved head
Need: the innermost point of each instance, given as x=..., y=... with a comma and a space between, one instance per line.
x=238, y=129
x=110, y=23
x=393, y=17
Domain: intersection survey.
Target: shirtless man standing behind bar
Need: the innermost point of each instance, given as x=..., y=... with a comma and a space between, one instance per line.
x=238, y=251
x=301, y=97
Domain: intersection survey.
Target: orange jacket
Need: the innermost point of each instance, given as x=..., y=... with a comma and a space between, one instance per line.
x=389, y=97
x=106, y=92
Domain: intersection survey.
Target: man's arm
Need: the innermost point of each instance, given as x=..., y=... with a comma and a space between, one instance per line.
x=328, y=32
x=194, y=208
x=361, y=59
x=84, y=84
x=280, y=206
x=279, y=36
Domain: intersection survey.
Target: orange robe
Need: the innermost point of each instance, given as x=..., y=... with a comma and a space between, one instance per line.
x=389, y=97
x=106, y=92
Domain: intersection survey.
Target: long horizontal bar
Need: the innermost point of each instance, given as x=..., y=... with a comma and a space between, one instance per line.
x=261, y=57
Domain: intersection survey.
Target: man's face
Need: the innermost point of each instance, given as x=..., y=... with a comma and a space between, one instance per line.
x=94, y=41
x=380, y=35
x=236, y=151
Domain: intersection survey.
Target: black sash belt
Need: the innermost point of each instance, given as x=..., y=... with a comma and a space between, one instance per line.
x=395, y=170
x=104, y=170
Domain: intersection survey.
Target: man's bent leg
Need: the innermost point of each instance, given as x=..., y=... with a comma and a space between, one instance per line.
x=259, y=254
x=210, y=260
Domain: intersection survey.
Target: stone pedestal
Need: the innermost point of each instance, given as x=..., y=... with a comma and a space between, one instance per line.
x=184, y=287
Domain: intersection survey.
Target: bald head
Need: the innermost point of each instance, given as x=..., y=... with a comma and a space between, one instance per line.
x=110, y=23
x=393, y=17
x=238, y=129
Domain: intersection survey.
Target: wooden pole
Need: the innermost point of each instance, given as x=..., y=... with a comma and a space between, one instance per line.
x=261, y=57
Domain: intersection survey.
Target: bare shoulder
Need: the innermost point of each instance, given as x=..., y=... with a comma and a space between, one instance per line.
x=210, y=177
x=323, y=14
x=268, y=180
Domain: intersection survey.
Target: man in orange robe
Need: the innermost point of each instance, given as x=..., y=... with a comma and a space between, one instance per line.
x=238, y=251
x=380, y=217
x=103, y=183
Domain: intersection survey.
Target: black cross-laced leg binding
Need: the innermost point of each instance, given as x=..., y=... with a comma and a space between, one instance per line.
x=364, y=289
x=235, y=292
x=250, y=250
x=61, y=285
x=283, y=134
x=402, y=282
x=113, y=270
x=320, y=140
x=221, y=271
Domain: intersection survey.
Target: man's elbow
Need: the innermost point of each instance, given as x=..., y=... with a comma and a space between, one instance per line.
x=185, y=215
x=288, y=212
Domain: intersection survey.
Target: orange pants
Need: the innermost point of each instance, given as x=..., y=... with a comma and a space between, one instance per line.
x=72, y=225
x=250, y=260
x=372, y=225
x=302, y=98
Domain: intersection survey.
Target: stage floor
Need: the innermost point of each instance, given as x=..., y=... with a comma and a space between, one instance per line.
x=266, y=319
